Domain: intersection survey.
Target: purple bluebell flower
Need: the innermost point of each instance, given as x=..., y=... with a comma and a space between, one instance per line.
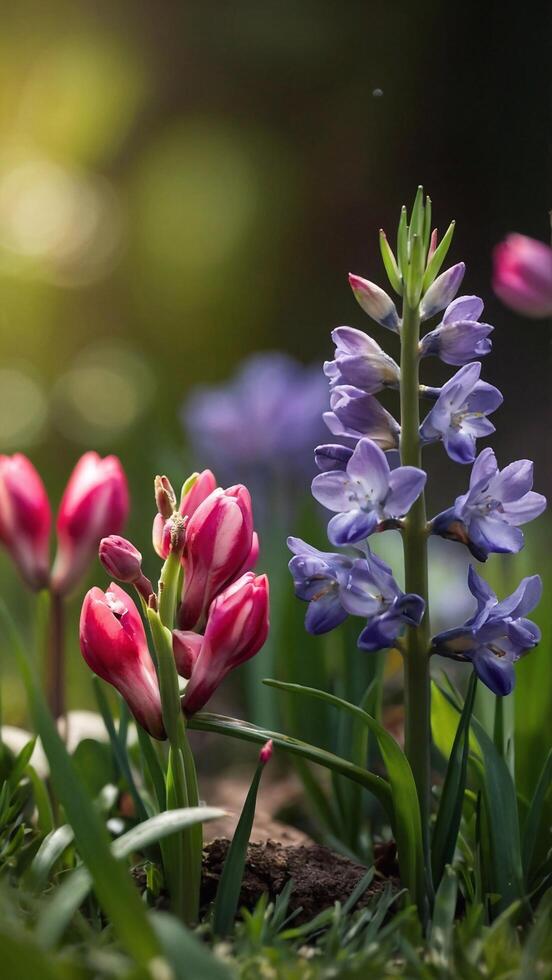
x=332, y=456
x=375, y=302
x=355, y=414
x=459, y=414
x=497, y=635
x=267, y=417
x=373, y=593
x=488, y=516
x=320, y=578
x=459, y=337
x=359, y=361
x=442, y=291
x=366, y=493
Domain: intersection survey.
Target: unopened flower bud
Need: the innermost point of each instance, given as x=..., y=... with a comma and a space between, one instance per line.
x=177, y=526
x=25, y=519
x=375, y=302
x=94, y=504
x=523, y=275
x=123, y=562
x=442, y=291
x=114, y=645
x=165, y=497
x=265, y=755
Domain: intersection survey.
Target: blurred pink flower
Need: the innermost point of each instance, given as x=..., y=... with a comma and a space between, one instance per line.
x=522, y=276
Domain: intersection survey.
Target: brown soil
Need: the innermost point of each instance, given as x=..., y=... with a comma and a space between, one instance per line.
x=320, y=877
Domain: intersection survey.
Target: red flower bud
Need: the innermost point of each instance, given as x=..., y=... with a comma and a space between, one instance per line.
x=236, y=629
x=94, y=504
x=123, y=562
x=25, y=519
x=220, y=546
x=265, y=755
x=114, y=645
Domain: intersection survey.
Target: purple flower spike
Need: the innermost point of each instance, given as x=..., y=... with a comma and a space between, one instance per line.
x=355, y=414
x=487, y=517
x=442, y=291
x=373, y=592
x=497, y=635
x=332, y=457
x=375, y=302
x=459, y=414
x=320, y=579
x=366, y=493
x=359, y=361
x=459, y=338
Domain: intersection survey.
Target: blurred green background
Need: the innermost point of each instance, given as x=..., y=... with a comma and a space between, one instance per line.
x=184, y=183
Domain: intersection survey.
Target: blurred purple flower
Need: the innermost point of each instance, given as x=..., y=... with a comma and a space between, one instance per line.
x=487, y=517
x=359, y=361
x=460, y=337
x=459, y=414
x=355, y=414
x=366, y=493
x=497, y=635
x=266, y=418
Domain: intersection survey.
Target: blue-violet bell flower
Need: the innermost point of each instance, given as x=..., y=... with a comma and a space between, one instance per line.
x=372, y=592
x=320, y=578
x=366, y=493
x=497, y=635
x=459, y=337
x=488, y=516
x=459, y=414
x=361, y=362
x=355, y=414
x=375, y=302
x=442, y=291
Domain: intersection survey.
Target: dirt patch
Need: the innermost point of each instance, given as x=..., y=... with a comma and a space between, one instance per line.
x=320, y=876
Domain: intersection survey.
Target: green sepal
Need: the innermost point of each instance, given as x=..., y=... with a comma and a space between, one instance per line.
x=390, y=263
x=415, y=271
x=402, y=243
x=438, y=257
x=417, y=216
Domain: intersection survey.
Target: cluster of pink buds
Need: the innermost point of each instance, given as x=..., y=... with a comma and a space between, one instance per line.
x=94, y=503
x=221, y=619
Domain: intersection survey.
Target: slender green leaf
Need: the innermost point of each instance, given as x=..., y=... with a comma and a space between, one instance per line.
x=534, y=817
x=118, y=746
x=153, y=766
x=452, y=794
x=229, y=886
x=206, y=722
x=114, y=888
x=502, y=821
x=45, y=816
x=70, y=895
x=48, y=855
x=189, y=958
x=20, y=763
x=402, y=242
x=406, y=810
x=444, y=910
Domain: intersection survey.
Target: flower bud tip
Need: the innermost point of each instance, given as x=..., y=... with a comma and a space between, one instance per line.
x=265, y=754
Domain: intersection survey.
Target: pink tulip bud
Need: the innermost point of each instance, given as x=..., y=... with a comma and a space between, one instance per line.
x=265, y=755
x=522, y=276
x=114, y=645
x=25, y=519
x=200, y=488
x=220, y=546
x=94, y=504
x=236, y=629
x=123, y=562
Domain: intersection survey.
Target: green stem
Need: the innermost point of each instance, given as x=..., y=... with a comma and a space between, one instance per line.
x=55, y=659
x=416, y=662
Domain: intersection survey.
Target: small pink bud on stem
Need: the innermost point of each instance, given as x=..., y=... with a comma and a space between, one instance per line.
x=122, y=561
x=165, y=497
x=265, y=754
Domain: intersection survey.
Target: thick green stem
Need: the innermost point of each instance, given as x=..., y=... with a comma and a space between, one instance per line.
x=416, y=661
